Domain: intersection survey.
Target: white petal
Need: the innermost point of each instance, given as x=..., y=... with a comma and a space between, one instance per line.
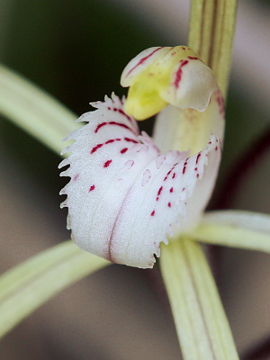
x=139, y=63
x=124, y=197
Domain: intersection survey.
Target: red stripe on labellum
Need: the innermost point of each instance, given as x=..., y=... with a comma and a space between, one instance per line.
x=107, y=163
x=120, y=111
x=169, y=172
x=131, y=140
x=95, y=148
x=179, y=73
x=159, y=193
x=198, y=158
x=184, y=167
x=122, y=151
x=110, y=141
x=141, y=61
x=92, y=187
x=114, y=123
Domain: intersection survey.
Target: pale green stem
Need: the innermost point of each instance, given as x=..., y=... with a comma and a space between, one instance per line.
x=201, y=324
x=212, y=25
x=27, y=286
x=200, y=320
x=35, y=111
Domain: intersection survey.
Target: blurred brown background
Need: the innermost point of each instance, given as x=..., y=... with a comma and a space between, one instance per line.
x=76, y=51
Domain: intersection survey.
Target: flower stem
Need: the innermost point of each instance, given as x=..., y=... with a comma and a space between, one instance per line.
x=211, y=33
x=200, y=320
x=201, y=324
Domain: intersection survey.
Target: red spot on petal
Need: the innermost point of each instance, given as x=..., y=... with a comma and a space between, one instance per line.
x=183, y=189
x=171, y=189
x=76, y=177
x=160, y=190
x=216, y=148
x=92, y=187
x=122, y=151
x=169, y=204
x=198, y=158
x=107, y=163
x=153, y=213
x=174, y=175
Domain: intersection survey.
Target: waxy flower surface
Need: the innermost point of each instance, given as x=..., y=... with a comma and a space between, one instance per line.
x=127, y=193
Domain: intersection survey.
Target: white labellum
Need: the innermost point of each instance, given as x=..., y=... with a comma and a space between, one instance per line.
x=125, y=221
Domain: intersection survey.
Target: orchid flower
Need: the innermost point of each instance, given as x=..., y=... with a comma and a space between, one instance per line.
x=128, y=193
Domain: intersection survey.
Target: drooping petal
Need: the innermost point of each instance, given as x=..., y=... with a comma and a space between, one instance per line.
x=124, y=197
x=235, y=228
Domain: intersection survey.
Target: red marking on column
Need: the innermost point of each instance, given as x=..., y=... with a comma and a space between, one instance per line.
x=198, y=158
x=171, y=189
x=92, y=187
x=193, y=58
x=169, y=204
x=114, y=123
x=141, y=61
x=179, y=73
x=107, y=163
x=122, y=151
x=153, y=213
